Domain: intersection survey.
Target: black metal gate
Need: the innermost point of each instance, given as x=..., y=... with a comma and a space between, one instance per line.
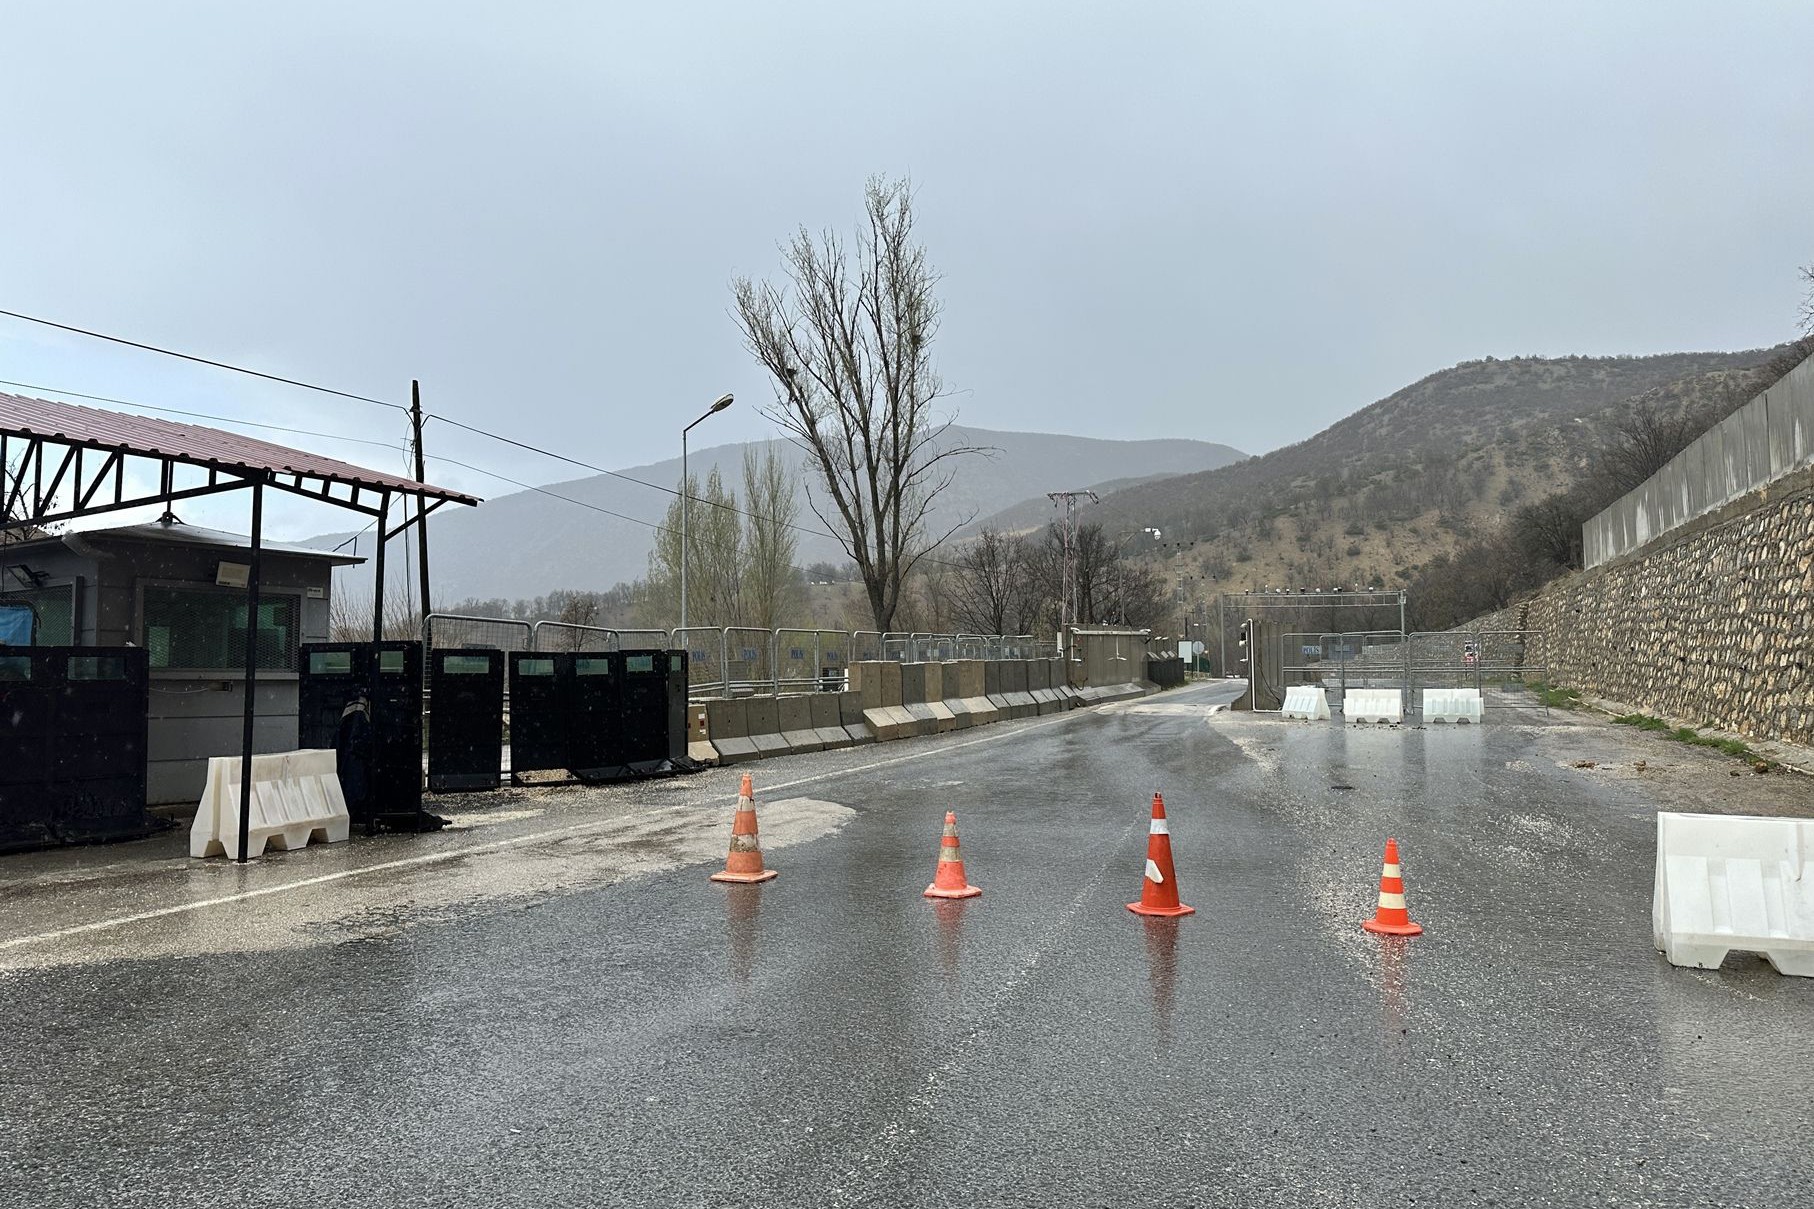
x=677, y=703
x=465, y=720
x=539, y=704
x=645, y=710
x=73, y=724
x=596, y=749
x=389, y=676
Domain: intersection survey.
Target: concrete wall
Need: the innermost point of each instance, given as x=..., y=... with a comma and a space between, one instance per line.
x=1711, y=625
x=1766, y=439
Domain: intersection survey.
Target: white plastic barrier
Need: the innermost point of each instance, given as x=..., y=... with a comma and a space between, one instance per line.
x=1728, y=882
x=1373, y=705
x=1451, y=705
x=295, y=798
x=1306, y=701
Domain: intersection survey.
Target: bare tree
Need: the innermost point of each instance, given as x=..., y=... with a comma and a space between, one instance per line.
x=847, y=339
x=1807, y=300
x=988, y=584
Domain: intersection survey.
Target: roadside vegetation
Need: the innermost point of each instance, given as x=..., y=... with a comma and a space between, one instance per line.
x=1737, y=748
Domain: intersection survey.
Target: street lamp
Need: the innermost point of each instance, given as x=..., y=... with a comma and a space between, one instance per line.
x=686, y=498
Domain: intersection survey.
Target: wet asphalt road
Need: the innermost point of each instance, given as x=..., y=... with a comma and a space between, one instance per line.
x=834, y=1038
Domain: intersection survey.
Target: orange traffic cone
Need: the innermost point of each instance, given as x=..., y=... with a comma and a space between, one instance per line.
x=949, y=881
x=744, y=864
x=1159, y=892
x=1391, y=919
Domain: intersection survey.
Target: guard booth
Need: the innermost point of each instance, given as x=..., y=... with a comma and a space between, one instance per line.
x=465, y=719
x=72, y=757
x=389, y=676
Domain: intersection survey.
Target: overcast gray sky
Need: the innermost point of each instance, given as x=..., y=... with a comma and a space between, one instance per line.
x=1235, y=223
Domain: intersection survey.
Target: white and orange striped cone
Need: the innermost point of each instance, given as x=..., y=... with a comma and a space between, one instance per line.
x=948, y=880
x=744, y=864
x=1159, y=890
x=1391, y=918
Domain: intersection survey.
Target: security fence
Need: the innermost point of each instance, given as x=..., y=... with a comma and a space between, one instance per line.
x=453, y=631
x=740, y=660
x=1497, y=663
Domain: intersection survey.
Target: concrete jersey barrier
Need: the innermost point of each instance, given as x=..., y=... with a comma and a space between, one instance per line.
x=1727, y=882
x=296, y=798
x=1373, y=705
x=1309, y=702
x=1452, y=705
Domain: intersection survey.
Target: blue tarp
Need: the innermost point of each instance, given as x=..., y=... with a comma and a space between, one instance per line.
x=16, y=625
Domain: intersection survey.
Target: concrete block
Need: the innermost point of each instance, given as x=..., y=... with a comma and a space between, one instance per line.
x=1003, y=710
x=877, y=681
x=944, y=719
x=935, y=681
x=1727, y=882
x=992, y=684
x=858, y=733
x=982, y=710
x=960, y=712
x=1308, y=702
x=1452, y=705
x=827, y=720
x=888, y=723
x=1373, y=705
x=969, y=678
x=765, y=726
x=296, y=799
x=913, y=684
x=923, y=721
x=794, y=714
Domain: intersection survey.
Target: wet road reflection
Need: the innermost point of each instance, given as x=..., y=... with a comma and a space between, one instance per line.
x=950, y=913
x=1162, y=970
x=743, y=910
x=1394, y=960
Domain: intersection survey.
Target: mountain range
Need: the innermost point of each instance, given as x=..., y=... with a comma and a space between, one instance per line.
x=528, y=543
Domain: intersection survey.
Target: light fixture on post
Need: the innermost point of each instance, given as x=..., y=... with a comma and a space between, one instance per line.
x=686, y=498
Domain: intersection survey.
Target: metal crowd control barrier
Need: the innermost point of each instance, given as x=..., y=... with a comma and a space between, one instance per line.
x=707, y=659
x=569, y=636
x=865, y=646
x=796, y=661
x=643, y=640
x=834, y=658
x=749, y=660
x=453, y=631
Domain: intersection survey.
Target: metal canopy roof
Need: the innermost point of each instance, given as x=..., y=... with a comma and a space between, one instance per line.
x=83, y=461
x=26, y=418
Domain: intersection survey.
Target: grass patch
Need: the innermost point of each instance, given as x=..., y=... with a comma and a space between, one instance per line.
x=1557, y=698
x=1687, y=734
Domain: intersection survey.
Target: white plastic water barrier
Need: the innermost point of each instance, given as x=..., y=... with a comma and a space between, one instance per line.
x=1451, y=705
x=1307, y=701
x=1373, y=705
x=1728, y=882
x=296, y=798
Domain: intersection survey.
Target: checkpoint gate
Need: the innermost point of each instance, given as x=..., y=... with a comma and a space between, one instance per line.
x=73, y=744
x=566, y=714
x=389, y=676
x=466, y=719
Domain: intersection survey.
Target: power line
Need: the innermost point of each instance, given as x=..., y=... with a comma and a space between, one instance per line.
x=436, y=457
x=198, y=415
x=238, y=369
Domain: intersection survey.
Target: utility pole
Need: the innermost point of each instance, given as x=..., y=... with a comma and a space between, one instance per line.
x=1067, y=604
x=415, y=423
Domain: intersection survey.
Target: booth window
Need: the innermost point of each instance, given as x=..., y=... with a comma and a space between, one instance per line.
x=202, y=630
x=56, y=609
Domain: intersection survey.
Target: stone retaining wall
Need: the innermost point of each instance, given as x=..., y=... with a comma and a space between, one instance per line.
x=1713, y=624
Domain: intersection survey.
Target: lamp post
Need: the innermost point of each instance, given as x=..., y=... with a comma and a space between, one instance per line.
x=686, y=499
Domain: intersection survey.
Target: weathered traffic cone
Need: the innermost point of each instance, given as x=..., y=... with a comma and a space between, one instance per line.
x=949, y=881
x=1159, y=891
x=1391, y=918
x=744, y=864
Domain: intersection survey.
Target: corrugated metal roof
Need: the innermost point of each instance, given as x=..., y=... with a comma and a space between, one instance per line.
x=178, y=534
x=149, y=437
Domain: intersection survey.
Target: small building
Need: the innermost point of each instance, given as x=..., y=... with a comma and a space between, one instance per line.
x=179, y=591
